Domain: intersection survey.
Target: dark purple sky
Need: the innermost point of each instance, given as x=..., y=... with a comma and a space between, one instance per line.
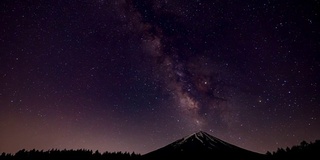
x=117, y=75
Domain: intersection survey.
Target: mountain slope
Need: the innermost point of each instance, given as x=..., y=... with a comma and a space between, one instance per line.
x=202, y=145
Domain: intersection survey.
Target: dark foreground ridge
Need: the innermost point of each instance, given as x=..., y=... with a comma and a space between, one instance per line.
x=202, y=145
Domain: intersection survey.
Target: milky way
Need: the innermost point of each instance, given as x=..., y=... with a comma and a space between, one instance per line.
x=191, y=78
x=135, y=75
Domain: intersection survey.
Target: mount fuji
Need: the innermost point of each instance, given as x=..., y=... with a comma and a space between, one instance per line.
x=202, y=145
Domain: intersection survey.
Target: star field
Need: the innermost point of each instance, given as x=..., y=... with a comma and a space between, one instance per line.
x=129, y=75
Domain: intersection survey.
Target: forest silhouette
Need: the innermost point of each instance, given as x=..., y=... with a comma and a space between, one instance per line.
x=302, y=151
x=80, y=154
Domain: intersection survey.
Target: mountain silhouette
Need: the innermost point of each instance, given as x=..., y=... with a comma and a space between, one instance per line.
x=202, y=145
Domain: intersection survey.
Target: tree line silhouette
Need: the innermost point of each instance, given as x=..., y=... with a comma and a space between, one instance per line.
x=80, y=154
x=303, y=151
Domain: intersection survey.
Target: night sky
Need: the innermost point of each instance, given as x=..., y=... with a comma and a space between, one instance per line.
x=135, y=75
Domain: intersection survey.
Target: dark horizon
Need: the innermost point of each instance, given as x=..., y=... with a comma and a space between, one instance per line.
x=137, y=153
x=135, y=75
x=203, y=145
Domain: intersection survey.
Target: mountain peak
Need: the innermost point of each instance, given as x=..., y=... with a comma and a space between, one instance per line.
x=202, y=140
x=199, y=143
x=201, y=134
x=197, y=136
